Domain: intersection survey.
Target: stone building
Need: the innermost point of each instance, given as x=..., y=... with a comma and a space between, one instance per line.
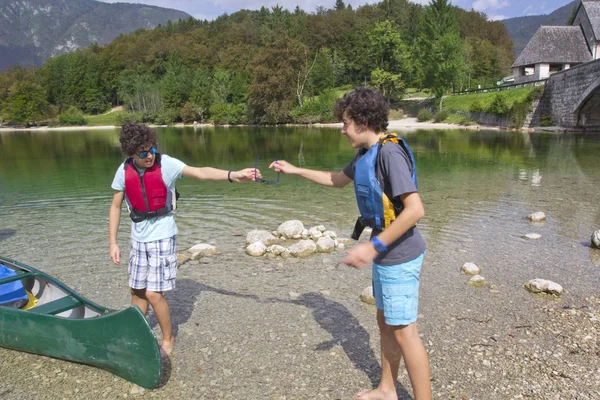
x=556, y=48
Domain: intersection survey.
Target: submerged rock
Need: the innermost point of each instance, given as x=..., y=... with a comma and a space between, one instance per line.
x=596, y=239
x=256, y=249
x=470, y=269
x=537, y=217
x=544, y=286
x=202, y=250
x=367, y=295
x=257, y=235
x=477, y=281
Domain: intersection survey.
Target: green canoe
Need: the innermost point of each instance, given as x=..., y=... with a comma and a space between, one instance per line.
x=66, y=325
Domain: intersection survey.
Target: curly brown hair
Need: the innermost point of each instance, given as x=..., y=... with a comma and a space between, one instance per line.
x=134, y=136
x=365, y=106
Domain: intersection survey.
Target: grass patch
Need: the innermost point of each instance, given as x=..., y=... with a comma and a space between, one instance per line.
x=464, y=102
x=414, y=92
x=110, y=119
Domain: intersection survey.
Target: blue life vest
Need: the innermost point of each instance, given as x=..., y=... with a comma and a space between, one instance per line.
x=376, y=209
x=12, y=294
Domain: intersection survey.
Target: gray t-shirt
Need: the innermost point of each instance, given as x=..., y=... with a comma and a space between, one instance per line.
x=393, y=171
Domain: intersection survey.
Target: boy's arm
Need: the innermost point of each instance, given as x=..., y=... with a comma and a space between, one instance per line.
x=325, y=178
x=215, y=174
x=114, y=217
x=412, y=212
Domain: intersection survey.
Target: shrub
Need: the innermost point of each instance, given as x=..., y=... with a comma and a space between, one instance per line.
x=441, y=116
x=168, y=116
x=316, y=110
x=227, y=113
x=396, y=114
x=424, y=115
x=518, y=113
x=466, y=121
x=537, y=92
x=546, y=120
x=132, y=118
x=188, y=115
x=499, y=105
x=73, y=116
x=476, y=107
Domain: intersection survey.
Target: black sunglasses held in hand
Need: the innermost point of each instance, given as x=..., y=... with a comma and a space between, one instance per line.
x=261, y=180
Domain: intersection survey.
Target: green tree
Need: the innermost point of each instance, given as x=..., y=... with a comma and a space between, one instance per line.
x=26, y=103
x=200, y=93
x=389, y=84
x=272, y=94
x=441, y=50
x=175, y=86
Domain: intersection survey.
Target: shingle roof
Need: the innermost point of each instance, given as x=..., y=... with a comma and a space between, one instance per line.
x=555, y=44
x=592, y=9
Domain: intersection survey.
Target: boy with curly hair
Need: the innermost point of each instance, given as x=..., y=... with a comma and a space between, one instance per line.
x=146, y=181
x=384, y=175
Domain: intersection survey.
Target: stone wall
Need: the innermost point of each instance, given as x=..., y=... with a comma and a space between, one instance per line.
x=564, y=93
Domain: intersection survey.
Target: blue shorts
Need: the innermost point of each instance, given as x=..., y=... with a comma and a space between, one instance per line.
x=153, y=265
x=396, y=291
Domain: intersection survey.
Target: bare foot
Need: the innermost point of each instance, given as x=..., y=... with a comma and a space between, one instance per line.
x=376, y=394
x=166, y=347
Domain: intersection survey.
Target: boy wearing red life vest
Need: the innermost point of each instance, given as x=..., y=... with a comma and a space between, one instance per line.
x=146, y=181
x=384, y=175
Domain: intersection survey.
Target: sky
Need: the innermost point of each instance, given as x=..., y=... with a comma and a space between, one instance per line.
x=210, y=9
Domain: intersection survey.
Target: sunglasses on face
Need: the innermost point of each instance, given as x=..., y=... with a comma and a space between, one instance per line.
x=261, y=180
x=152, y=150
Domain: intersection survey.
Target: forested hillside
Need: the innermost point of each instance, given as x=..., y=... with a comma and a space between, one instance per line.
x=265, y=66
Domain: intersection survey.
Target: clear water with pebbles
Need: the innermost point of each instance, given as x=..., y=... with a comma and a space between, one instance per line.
x=477, y=187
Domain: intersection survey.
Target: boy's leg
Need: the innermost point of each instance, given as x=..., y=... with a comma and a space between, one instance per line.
x=415, y=358
x=396, y=290
x=162, y=270
x=138, y=298
x=390, y=363
x=138, y=275
x=163, y=315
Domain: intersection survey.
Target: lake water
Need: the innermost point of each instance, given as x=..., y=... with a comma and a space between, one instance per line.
x=477, y=186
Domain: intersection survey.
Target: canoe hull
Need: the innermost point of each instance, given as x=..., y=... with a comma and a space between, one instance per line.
x=121, y=342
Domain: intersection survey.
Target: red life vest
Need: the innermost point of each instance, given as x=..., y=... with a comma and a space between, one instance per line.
x=146, y=194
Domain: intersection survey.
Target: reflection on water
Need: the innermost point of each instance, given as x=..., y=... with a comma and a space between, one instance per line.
x=477, y=186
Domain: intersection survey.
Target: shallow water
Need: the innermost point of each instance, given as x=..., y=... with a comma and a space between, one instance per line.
x=296, y=328
x=477, y=187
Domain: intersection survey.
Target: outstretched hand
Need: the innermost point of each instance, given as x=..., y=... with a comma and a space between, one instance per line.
x=283, y=166
x=246, y=175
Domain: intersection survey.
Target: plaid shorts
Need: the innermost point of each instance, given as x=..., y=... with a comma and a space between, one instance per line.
x=153, y=265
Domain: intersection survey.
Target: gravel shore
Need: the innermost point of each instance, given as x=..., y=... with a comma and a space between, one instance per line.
x=258, y=328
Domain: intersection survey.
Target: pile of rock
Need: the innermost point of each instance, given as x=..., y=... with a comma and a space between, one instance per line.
x=317, y=239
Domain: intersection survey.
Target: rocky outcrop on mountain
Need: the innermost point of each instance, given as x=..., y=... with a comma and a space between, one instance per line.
x=31, y=31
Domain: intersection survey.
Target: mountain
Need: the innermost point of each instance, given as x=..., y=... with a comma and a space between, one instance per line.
x=31, y=31
x=521, y=29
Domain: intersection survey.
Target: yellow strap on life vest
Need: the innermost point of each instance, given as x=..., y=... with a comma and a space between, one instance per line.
x=389, y=210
